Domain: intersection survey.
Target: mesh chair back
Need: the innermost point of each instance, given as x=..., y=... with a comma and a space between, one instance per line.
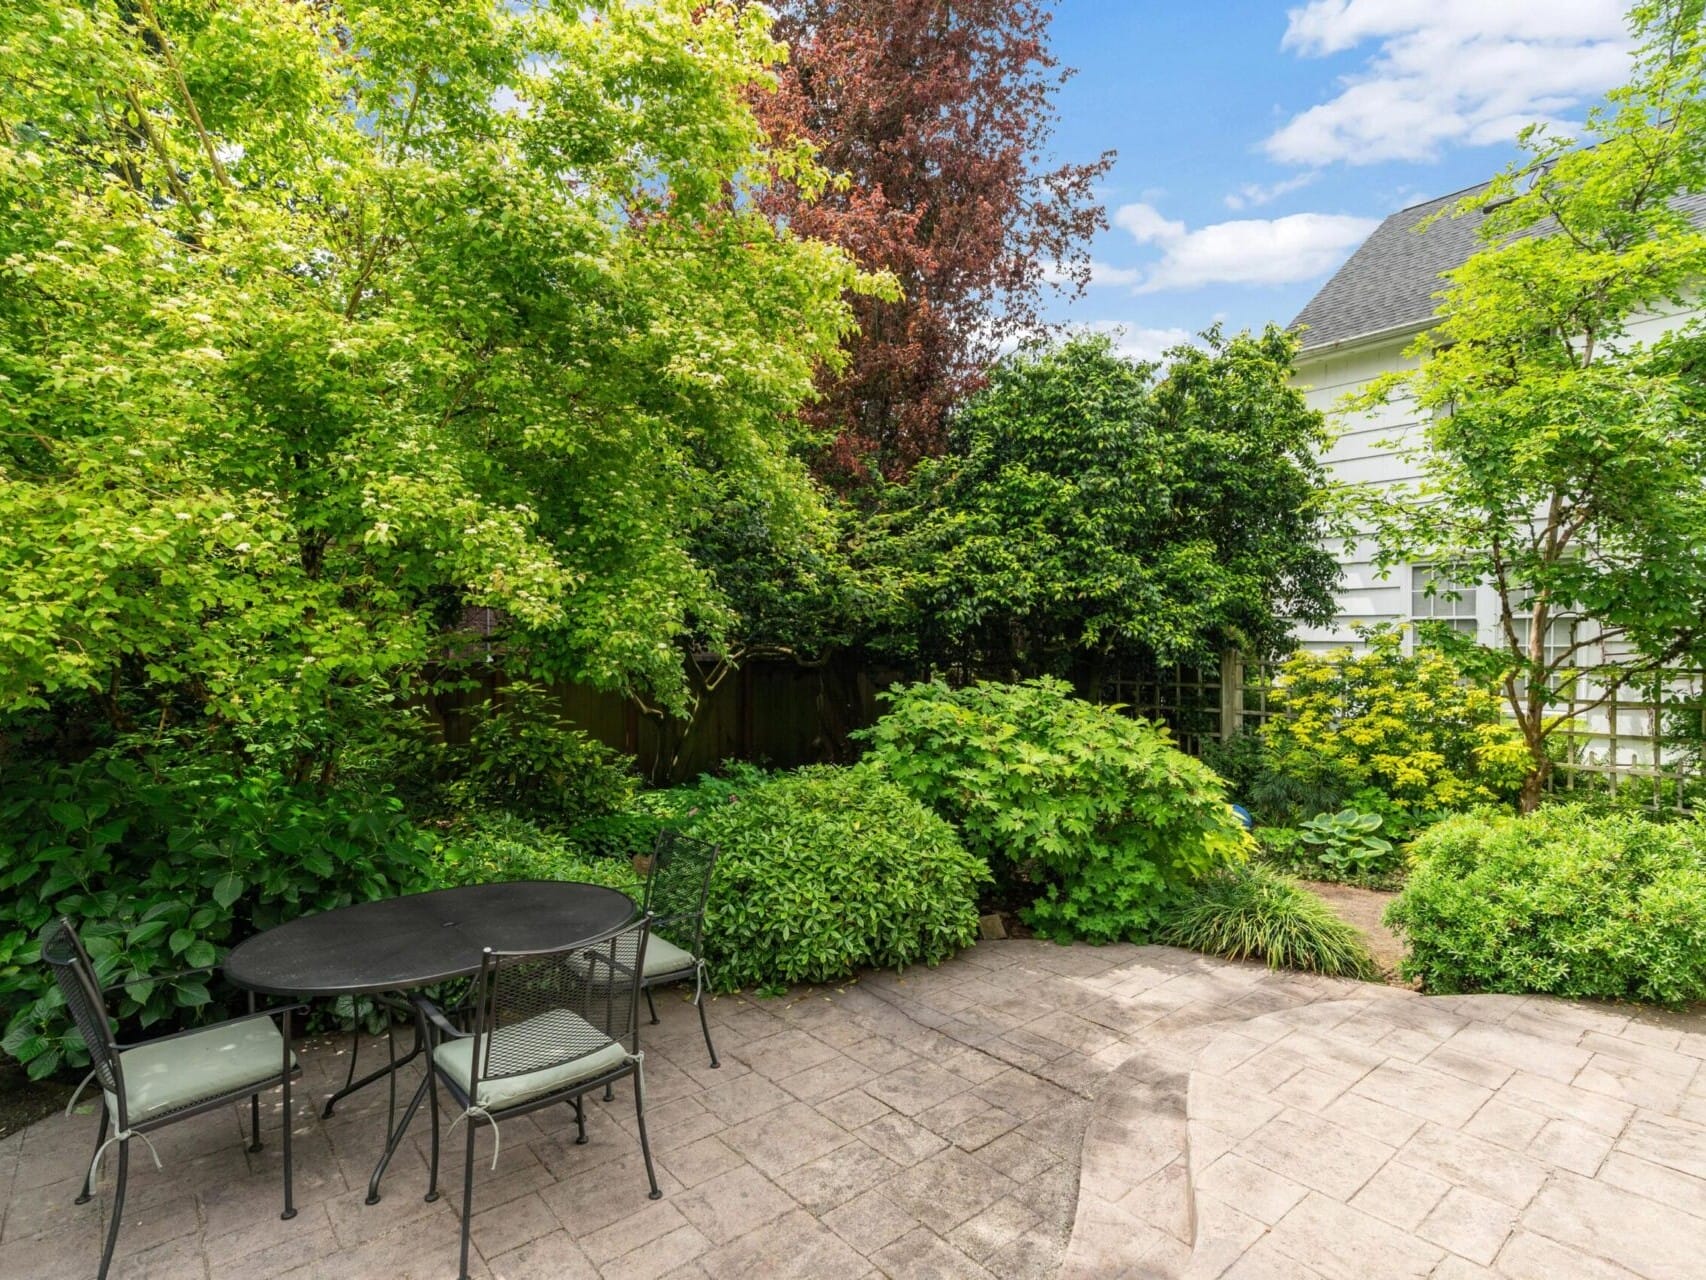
x=75, y=974
x=676, y=887
x=539, y=1010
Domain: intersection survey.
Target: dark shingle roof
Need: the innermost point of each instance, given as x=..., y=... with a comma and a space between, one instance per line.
x=1389, y=283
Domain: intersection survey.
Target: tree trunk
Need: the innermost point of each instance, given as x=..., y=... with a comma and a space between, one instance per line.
x=1534, y=785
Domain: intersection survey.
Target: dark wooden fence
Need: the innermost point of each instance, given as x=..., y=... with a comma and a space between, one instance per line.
x=783, y=715
x=779, y=714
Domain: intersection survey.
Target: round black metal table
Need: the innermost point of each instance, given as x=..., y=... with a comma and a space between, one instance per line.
x=401, y=944
x=418, y=940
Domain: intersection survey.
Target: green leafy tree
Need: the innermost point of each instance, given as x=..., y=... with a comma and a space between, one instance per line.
x=1563, y=459
x=320, y=323
x=1093, y=507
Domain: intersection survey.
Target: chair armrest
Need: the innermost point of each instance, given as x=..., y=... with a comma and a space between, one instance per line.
x=615, y=966
x=431, y=1013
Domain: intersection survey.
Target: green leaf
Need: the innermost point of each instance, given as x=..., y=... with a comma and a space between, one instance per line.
x=228, y=888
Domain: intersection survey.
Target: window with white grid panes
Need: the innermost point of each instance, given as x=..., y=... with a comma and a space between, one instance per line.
x=1555, y=649
x=1436, y=596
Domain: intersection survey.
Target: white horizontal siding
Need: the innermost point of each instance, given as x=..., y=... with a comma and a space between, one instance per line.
x=1369, y=448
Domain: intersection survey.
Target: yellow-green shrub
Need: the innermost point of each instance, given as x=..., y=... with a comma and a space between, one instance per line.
x=1406, y=735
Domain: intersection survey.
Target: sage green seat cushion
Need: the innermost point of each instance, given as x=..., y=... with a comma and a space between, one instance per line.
x=169, y=1075
x=557, y=1028
x=663, y=956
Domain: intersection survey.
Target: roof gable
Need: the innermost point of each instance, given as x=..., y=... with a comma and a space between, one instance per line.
x=1390, y=281
x=1388, y=284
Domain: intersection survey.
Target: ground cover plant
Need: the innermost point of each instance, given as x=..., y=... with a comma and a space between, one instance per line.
x=161, y=865
x=1563, y=901
x=1093, y=818
x=1253, y=913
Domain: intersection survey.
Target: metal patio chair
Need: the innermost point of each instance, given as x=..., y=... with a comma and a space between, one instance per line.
x=677, y=883
x=153, y=1083
x=547, y=1026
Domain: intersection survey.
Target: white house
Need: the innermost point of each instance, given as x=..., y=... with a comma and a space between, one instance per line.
x=1358, y=327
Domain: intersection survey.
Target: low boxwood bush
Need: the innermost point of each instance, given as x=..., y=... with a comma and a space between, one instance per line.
x=1255, y=914
x=1562, y=901
x=825, y=871
x=1095, y=813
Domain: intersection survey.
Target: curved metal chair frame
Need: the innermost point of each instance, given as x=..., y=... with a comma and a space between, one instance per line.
x=677, y=885
x=546, y=1028
x=75, y=974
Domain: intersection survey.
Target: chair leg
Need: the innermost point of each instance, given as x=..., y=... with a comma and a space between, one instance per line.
x=705, y=1026
x=254, y=1122
x=467, y=1195
x=640, y=1118
x=118, y=1208
x=652, y=1008
x=289, y=1117
x=100, y=1137
x=432, y=1170
x=580, y=1123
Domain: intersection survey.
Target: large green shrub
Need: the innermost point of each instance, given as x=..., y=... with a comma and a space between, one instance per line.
x=1254, y=914
x=1097, y=813
x=487, y=847
x=1562, y=901
x=1409, y=736
x=522, y=757
x=161, y=866
x=825, y=871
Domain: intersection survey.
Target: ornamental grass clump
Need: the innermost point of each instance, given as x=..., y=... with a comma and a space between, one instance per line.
x=1255, y=914
x=1093, y=816
x=1563, y=901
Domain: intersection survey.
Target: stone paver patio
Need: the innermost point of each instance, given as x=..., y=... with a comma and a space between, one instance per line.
x=1024, y=1111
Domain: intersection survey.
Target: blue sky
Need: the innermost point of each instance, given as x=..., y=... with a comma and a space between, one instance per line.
x=1259, y=142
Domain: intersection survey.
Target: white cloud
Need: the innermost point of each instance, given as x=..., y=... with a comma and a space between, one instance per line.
x=1105, y=275
x=1146, y=224
x=1247, y=251
x=1254, y=194
x=1464, y=72
x=1135, y=342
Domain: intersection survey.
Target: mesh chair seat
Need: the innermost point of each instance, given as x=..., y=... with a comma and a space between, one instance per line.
x=554, y=1026
x=169, y=1075
x=663, y=956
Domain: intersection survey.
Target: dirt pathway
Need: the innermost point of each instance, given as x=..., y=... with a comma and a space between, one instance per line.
x=1362, y=909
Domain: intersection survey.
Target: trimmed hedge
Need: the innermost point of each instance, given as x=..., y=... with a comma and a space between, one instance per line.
x=1562, y=902
x=825, y=871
